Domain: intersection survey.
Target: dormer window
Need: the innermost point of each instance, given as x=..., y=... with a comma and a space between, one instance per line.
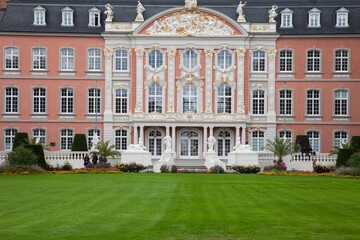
x=286, y=18
x=39, y=16
x=67, y=17
x=342, y=17
x=314, y=18
x=94, y=17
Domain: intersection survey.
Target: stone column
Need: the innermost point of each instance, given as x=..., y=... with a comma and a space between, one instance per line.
x=211, y=131
x=167, y=131
x=243, y=135
x=139, y=76
x=240, y=79
x=136, y=138
x=205, y=139
x=142, y=133
x=108, y=114
x=271, y=86
x=171, y=79
x=173, y=137
x=237, y=134
x=209, y=52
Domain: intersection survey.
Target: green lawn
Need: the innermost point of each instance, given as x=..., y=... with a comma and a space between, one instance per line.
x=178, y=206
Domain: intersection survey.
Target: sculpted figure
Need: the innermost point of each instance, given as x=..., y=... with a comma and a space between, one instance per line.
x=238, y=144
x=167, y=142
x=141, y=144
x=109, y=12
x=272, y=13
x=211, y=142
x=95, y=141
x=139, y=9
x=239, y=11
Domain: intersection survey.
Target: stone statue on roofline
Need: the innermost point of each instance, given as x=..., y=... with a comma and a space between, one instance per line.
x=109, y=13
x=272, y=13
x=239, y=11
x=140, y=9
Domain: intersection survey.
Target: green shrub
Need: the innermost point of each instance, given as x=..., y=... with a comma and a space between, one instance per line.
x=343, y=157
x=246, y=169
x=21, y=156
x=173, y=169
x=34, y=169
x=324, y=168
x=38, y=150
x=304, y=140
x=130, y=167
x=355, y=142
x=355, y=160
x=67, y=166
x=164, y=168
x=20, y=139
x=79, y=143
x=348, y=171
x=217, y=169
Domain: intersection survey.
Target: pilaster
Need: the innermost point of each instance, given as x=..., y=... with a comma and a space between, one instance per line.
x=171, y=78
x=209, y=52
x=139, y=76
x=240, y=79
x=271, y=86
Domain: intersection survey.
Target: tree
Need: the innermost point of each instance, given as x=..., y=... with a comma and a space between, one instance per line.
x=336, y=149
x=20, y=139
x=35, y=141
x=279, y=147
x=106, y=150
x=79, y=143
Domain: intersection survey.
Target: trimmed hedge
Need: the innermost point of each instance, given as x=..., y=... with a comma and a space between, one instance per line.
x=343, y=156
x=355, y=142
x=20, y=139
x=79, y=143
x=39, y=152
x=246, y=169
x=303, y=139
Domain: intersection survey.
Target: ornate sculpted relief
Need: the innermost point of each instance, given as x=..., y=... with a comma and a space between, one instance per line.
x=272, y=53
x=190, y=78
x=108, y=52
x=240, y=52
x=139, y=52
x=209, y=52
x=171, y=52
x=191, y=4
x=190, y=23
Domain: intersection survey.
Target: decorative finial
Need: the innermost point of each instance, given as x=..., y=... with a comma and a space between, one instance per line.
x=109, y=12
x=272, y=13
x=191, y=4
x=139, y=9
x=239, y=11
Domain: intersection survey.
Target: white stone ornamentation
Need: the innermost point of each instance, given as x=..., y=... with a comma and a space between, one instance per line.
x=167, y=142
x=139, y=52
x=240, y=52
x=139, y=9
x=108, y=52
x=272, y=13
x=171, y=52
x=211, y=143
x=209, y=52
x=272, y=53
x=109, y=13
x=138, y=107
x=240, y=108
x=191, y=4
x=239, y=11
x=95, y=141
x=192, y=23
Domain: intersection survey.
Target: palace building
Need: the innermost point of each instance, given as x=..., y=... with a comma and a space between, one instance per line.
x=189, y=69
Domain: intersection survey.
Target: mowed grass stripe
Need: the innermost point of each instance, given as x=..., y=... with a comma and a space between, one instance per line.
x=178, y=206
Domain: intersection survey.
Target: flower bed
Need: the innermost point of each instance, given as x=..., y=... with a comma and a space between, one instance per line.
x=72, y=171
x=305, y=173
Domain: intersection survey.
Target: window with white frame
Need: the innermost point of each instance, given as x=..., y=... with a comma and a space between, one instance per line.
x=224, y=59
x=258, y=100
x=340, y=137
x=314, y=140
x=314, y=18
x=94, y=59
x=9, y=136
x=121, y=139
x=258, y=61
x=286, y=61
x=67, y=59
x=94, y=100
x=190, y=59
x=258, y=140
x=313, y=60
x=67, y=100
x=313, y=102
x=285, y=102
x=39, y=16
x=224, y=99
x=39, y=100
x=121, y=60
x=286, y=18
x=286, y=134
x=94, y=17
x=66, y=139
x=223, y=143
x=67, y=17
x=342, y=17
x=11, y=58
x=189, y=144
x=121, y=101
x=155, y=143
x=39, y=58
x=11, y=100
x=155, y=59
x=189, y=98
x=40, y=136
x=155, y=98
x=341, y=102
x=90, y=136
x=341, y=61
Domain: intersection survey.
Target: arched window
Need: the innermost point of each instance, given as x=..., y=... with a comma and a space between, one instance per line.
x=190, y=59
x=66, y=139
x=286, y=134
x=189, y=98
x=224, y=99
x=39, y=58
x=258, y=140
x=286, y=61
x=313, y=102
x=94, y=100
x=341, y=61
x=285, y=102
x=121, y=140
x=155, y=143
x=313, y=61
x=9, y=136
x=340, y=137
x=341, y=102
x=155, y=98
x=314, y=139
x=224, y=59
x=223, y=143
x=67, y=59
x=189, y=144
x=155, y=59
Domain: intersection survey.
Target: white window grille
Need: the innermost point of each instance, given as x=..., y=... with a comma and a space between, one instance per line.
x=94, y=17
x=39, y=16
x=155, y=59
x=94, y=100
x=40, y=136
x=11, y=58
x=286, y=61
x=258, y=61
x=285, y=102
x=67, y=100
x=341, y=102
x=121, y=101
x=155, y=143
x=314, y=139
x=342, y=17
x=66, y=139
x=258, y=140
x=314, y=18
x=224, y=59
x=67, y=59
x=224, y=99
x=258, y=100
x=189, y=98
x=94, y=60
x=286, y=18
x=9, y=136
x=121, y=139
x=121, y=60
x=223, y=143
x=189, y=144
x=11, y=100
x=190, y=59
x=341, y=61
x=67, y=17
x=155, y=98
x=39, y=59
x=39, y=100
x=313, y=61
x=341, y=137
x=313, y=102
x=90, y=136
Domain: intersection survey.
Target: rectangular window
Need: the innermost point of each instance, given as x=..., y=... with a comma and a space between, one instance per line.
x=67, y=19
x=39, y=17
x=11, y=100
x=40, y=136
x=341, y=61
x=313, y=61
x=285, y=102
x=341, y=102
x=313, y=102
x=66, y=139
x=258, y=102
x=314, y=20
x=94, y=100
x=286, y=134
x=9, y=136
x=340, y=138
x=286, y=20
x=94, y=60
x=258, y=61
x=94, y=19
x=121, y=101
x=121, y=140
x=67, y=59
x=67, y=100
x=258, y=140
x=39, y=59
x=121, y=60
x=11, y=58
x=286, y=58
x=39, y=98
x=314, y=139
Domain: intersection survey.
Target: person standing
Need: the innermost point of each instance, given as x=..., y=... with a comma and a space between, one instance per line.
x=94, y=159
x=86, y=160
x=101, y=158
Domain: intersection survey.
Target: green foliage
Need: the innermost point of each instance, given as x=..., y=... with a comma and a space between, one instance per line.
x=106, y=150
x=324, y=168
x=67, y=166
x=336, y=149
x=79, y=143
x=20, y=139
x=355, y=160
x=217, y=169
x=34, y=141
x=303, y=139
x=173, y=169
x=164, y=168
x=130, y=167
x=355, y=142
x=33, y=169
x=38, y=150
x=21, y=156
x=279, y=147
x=353, y=171
x=343, y=157
x=246, y=169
